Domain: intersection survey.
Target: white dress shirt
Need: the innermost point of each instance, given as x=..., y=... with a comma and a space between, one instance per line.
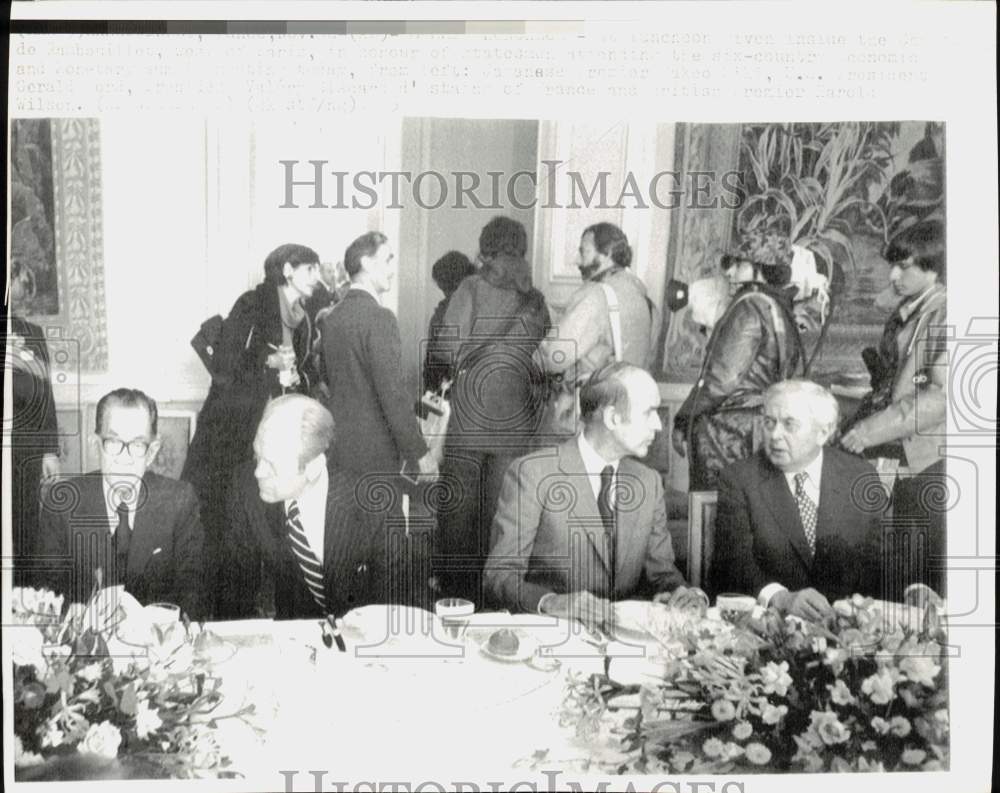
x=593, y=464
x=312, y=514
x=813, y=472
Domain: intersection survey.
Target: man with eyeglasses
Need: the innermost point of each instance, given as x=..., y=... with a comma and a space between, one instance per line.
x=123, y=524
x=798, y=524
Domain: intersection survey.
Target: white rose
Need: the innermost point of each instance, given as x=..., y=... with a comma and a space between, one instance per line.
x=92, y=672
x=147, y=720
x=101, y=740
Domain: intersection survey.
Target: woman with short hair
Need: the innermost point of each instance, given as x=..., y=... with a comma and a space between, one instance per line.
x=263, y=352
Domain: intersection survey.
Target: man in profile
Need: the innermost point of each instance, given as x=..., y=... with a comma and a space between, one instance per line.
x=124, y=524
x=302, y=546
x=794, y=526
x=377, y=431
x=586, y=524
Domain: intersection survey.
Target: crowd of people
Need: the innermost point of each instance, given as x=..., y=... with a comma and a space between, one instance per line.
x=308, y=468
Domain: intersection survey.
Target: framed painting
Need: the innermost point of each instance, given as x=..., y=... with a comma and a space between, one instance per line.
x=176, y=429
x=56, y=233
x=71, y=442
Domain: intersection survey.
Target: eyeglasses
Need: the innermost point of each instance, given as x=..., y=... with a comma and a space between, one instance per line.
x=135, y=448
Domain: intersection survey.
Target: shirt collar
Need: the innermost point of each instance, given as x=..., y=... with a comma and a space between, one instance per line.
x=368, y=289
x=593, y=463
x=813, y=471
x=907, y=308
x=313, y=497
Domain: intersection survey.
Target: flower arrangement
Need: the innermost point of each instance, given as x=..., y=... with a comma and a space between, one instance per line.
x=855, y=694
x=89, y=699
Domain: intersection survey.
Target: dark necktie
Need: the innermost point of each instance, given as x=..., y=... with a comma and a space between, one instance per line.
x=807, y=510
x=608, y=519
x=120, y=541
x=312, y=570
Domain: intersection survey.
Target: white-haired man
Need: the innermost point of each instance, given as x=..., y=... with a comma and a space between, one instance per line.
x=296, y=520
x=798, y=524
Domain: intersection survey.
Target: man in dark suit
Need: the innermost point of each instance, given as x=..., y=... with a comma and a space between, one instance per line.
x=798, y=524
x=34, y=435
x=377, y=430
x=297, y=525
x=586, y=524
x=136, y=527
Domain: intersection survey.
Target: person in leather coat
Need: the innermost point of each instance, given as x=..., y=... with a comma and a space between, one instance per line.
x=754, y=344
x=263, y=353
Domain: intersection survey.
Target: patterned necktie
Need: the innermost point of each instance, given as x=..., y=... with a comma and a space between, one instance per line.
x=312, y=570
x=807, y=510
x=608, y=517
x=120, y=541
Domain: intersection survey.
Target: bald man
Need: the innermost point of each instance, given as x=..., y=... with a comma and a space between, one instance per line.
x=298, y=525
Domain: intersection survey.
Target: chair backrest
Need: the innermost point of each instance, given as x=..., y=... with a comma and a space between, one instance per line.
x=701, y=535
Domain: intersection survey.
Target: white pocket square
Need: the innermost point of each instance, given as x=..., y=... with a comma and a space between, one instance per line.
x=156, y=551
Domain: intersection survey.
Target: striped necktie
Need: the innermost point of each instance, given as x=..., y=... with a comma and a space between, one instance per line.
x=608, y=518
x=312, y=570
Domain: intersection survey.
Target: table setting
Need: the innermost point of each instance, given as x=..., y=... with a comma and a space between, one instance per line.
x=714, y=688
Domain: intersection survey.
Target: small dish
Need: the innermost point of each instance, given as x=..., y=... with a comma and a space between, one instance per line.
x=526, y=648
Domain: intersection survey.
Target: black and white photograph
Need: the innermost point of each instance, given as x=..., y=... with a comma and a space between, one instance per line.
x=494, y=448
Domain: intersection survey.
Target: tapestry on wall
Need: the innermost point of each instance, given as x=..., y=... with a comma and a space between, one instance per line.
x=57, y=251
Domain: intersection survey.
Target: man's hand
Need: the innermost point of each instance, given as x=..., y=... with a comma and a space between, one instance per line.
x=428, y=468
x=282, y=358
x=855, y=441
x=592, y=611
x=806, y=603
x=683, y=598
x=678, y=439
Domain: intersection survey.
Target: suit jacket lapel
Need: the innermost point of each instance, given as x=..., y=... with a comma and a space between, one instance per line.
x=147, y=528
x=825, y=511
x=586, y=516
x=780, y=501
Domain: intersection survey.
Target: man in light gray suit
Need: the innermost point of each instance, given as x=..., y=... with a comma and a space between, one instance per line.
x=585, y=524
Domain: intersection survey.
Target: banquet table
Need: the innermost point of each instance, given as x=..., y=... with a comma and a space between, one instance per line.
x=406, y=702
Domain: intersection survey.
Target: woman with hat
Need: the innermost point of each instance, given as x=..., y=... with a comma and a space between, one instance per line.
x=753, y=345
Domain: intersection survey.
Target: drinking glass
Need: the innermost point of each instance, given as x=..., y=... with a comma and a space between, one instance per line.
x=165, y=621
x=736, y=608
x=454, y=614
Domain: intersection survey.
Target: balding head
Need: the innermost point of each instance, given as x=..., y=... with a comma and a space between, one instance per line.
x=292, y=437
x=619, y=407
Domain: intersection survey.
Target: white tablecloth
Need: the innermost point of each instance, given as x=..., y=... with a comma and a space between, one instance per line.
x=404, y=706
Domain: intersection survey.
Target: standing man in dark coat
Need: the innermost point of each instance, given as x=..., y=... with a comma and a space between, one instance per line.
x=33, y=433
x=798, y=524
x=377, y=431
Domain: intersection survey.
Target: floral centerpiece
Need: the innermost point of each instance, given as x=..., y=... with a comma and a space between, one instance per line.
x=91, y=701
x=858, y=693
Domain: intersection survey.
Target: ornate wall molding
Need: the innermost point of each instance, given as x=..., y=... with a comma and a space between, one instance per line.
x=81, y=320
